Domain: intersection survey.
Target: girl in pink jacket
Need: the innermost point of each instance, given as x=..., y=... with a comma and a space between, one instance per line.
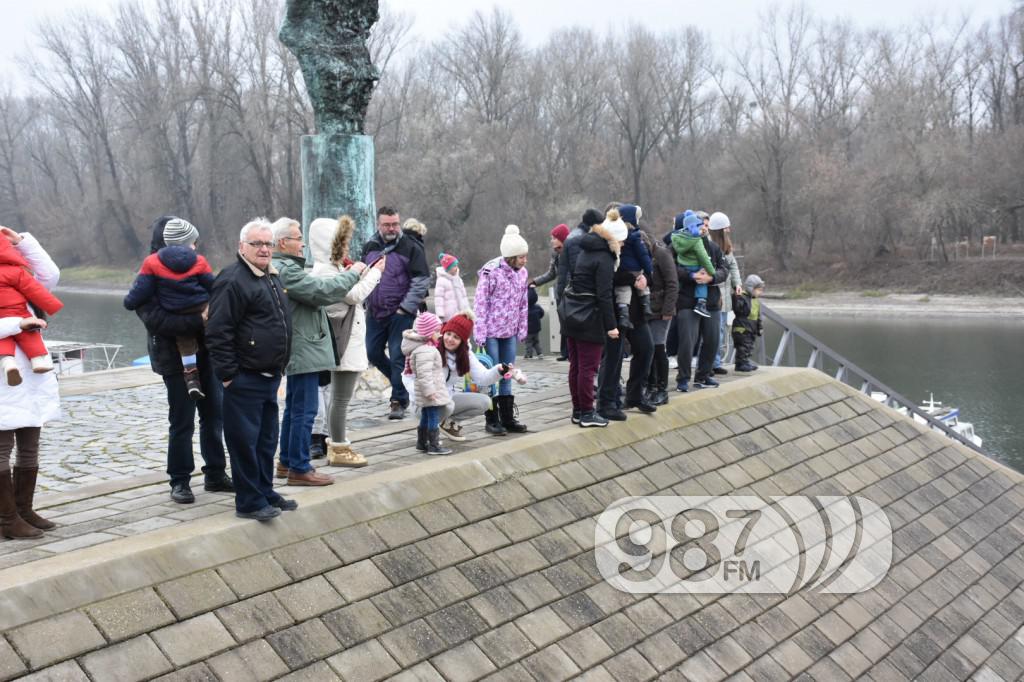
x=501, y=306
x=449, y=293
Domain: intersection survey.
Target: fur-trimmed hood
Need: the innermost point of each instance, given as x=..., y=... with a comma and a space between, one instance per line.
x=326, y=237
x=598, y=239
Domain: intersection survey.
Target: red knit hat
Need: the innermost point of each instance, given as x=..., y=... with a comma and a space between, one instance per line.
x=461, y=325
x=561, y=233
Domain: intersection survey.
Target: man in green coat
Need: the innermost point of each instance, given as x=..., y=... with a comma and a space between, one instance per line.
x=312, y=351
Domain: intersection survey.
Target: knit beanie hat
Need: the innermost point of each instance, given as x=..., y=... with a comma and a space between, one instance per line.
x=447, y=261
x=512, y=244
x=592, y=217
x=614, y=226
x=426, y=324
x=460, y=324
x=631, y=214
x=719, y=221
x=752, y=282
x=689, y=222
x=561, y=233
x=178, y=232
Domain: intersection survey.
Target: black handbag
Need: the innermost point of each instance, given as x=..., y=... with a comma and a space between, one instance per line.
x=578, y=310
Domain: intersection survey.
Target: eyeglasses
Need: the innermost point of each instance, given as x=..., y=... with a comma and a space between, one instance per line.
x=390, y=224
x=294, y=239
x=260, y=245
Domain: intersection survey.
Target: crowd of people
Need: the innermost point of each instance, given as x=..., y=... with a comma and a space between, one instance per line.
x=223, y=344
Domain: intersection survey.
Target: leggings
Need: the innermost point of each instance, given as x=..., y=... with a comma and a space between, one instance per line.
x=28, y=447
x=334, y=401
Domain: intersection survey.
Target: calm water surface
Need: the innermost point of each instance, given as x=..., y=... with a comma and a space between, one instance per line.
x=972, y=364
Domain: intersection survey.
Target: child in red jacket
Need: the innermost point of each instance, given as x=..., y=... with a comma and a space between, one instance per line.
x=18, y=288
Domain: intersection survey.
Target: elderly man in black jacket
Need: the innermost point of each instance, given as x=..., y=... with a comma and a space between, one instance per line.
x=249, y=339
x=162, y=327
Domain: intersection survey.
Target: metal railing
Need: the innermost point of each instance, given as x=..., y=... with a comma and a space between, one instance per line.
x=846, y=371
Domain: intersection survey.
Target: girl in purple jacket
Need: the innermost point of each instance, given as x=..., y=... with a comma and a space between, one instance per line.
x=501, y=308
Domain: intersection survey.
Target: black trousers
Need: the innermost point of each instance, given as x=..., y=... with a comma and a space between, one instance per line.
x=610, y=373
x=743, y=342
x=691, y=329
x=641, y=342
x=181, y=417
x=250, y=420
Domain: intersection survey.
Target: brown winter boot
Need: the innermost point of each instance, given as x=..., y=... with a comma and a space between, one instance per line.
x=12, y=526
x=24, y=491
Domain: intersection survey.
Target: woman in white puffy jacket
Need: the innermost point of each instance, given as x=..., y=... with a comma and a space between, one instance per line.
x=24, y=409
x=329, y=243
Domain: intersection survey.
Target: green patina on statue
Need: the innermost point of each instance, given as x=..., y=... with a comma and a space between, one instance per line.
x=328, y=37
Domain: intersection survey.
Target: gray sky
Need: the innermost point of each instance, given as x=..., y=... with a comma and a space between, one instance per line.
x=727, y=20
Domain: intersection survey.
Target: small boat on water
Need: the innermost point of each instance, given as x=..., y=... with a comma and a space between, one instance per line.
x=950, y=416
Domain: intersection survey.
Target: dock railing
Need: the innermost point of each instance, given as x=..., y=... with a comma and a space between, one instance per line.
x=797, y=343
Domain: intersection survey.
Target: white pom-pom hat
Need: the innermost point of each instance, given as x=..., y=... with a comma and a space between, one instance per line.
x=512, y=244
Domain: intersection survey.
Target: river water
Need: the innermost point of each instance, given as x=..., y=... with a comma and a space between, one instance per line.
x=974, y=364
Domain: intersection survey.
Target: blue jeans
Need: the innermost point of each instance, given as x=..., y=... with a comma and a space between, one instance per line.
x=181, y=417
x=386, y=335
x=250, y=431
x=502, y=350
x=699, y=290
x=300, y=406
x=430, y=417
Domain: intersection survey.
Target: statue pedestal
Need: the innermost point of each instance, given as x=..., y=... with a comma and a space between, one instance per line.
x=337, y=179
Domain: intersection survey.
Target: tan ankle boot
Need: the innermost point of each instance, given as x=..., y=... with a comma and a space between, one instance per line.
x=24, y=492
x=342, y=455
x=12, y=526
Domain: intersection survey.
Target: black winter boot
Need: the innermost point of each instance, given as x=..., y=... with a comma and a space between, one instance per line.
x=645, y=301
x=622, y=317
x=421, y=438
x=493, y=422
x=507, y=413
x=434, y=446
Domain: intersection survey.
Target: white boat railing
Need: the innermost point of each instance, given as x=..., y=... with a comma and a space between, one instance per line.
x=76, y=357
x=822, y=356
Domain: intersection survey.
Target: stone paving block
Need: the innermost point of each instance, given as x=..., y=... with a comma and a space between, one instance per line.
x=302, y=644
x=357, y=622
x=136, y=659
x=618, y=632
x=10, y=663
x=438, y=516
x=130, y=614
x=482, y=537
x=68, y=671
x=447, y=586
x=193, y=639
x=253, y=575
x=586, y=648
x=309, y=598
x=700, y=667
x=463, y=663
x=55, y=639
x=648, y=616
x=446, y=549
x=359, y=580
x=457, y=623
x=318, y=672
x=522, y=558
x=256, y=662
x=197, y=672
x=367, y=662
x=850, y=659
x=630, y=665
x=403, y=564
x=542, y=626
x=412, y=643
x=254, y=617
x=195, y=593
x=485, y=572
x=601, y=467
x=355, y=543
x=555, y=546
x=534, y=590
x=475, y=504
x=572, y=474
x=305, y=559
x=660, y=651
x=421, y=672
x=792, y=657
x=550, y=664
x=509, y=494
x=542, y=485
x=398, y=529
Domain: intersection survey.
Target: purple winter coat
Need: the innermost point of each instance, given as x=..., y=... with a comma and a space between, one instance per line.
x=500, y=303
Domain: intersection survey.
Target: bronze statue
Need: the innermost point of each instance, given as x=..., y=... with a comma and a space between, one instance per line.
x=328, y=37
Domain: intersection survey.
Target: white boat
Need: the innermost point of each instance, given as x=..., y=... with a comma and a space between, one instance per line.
x=950, y=416
x=78, y=357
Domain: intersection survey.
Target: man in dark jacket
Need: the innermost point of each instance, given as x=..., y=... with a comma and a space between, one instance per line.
x=249, y=339
x=393, y=305
x=162, y=327
x=692, y=327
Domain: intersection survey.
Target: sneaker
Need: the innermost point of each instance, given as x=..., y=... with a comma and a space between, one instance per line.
x=683, y=386
x=705, y=382
x=589, y=419
x=342, y=455
x=612, y=414
x=285, y=505
x=311, y=478
x=453, y=430
x=643, y=406
x=192, y=384
x=219, y=484
x=397, y=411
x=182, y=493
x=265, y=514
x=720, y=371
x=701, y=308
x=576, y=414
x=562, y=358
x=745, y=367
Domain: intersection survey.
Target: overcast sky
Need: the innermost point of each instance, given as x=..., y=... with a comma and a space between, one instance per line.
x=726, y=20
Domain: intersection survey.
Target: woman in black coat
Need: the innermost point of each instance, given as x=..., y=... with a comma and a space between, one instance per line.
x=588, y=310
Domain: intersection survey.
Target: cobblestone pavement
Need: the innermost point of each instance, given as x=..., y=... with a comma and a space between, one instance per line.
x=121, y=433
